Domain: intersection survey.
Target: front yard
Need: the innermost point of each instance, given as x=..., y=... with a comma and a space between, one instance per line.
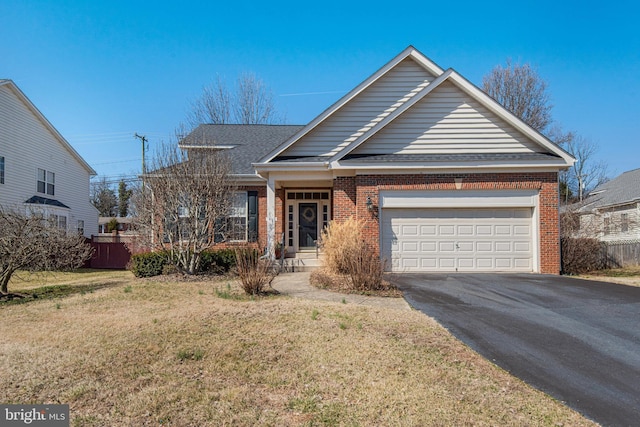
x=157, y=352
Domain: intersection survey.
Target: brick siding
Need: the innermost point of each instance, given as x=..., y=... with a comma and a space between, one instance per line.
x=350, y=195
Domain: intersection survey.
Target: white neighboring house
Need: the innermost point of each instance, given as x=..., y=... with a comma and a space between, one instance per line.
x=612, y=211
x=39, y=170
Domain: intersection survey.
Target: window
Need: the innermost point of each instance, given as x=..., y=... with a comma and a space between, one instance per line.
x=80, y=227
x=606, y=226
x=1, y=170
x=624, y=222
x=237, y=221
x=46, y=182
x=242, y=223
x=60, y=221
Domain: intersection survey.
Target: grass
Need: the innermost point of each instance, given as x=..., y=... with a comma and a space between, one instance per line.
x=625, y=276
x=173, y=353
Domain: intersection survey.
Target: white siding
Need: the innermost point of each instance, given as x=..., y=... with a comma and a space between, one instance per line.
x=609, y=226
x=27, y=144
x=447, y=121
x=364, y=111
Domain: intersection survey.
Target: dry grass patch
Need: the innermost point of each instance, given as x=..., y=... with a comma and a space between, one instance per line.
x=324, y=278
x=169, y=353
x=624, y=276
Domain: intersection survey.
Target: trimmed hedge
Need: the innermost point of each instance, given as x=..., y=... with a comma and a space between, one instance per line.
x=150, y=264
x=217, y=261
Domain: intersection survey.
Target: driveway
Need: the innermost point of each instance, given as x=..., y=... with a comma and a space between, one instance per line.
x=577, y=340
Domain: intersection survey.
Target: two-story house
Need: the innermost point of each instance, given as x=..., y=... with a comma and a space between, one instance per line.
x=39, y=170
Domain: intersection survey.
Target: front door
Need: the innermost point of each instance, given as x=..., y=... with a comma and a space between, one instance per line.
x=307, y=225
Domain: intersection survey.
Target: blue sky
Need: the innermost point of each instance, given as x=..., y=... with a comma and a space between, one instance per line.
x=101, y=71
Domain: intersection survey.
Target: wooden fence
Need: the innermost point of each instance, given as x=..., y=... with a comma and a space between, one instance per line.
x=622, y=254
x=113, y=255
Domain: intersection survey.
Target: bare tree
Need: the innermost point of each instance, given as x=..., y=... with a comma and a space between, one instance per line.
x=588, y=171
x=182, y=201
x=522, y=91
x=250, y=102
x=31, y=242
x=104, y=198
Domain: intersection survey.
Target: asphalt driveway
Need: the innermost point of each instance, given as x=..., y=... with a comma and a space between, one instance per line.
x=577, y=340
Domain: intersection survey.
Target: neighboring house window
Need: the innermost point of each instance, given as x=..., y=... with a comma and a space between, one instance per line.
x=80, y=227
x=624, y=222
x=607, y=225
x=1, y=170
x=60, y=221
x=46, y=182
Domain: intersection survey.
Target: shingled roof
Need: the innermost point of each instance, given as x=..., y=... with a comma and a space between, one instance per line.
x=245, y=144
x=621, y=190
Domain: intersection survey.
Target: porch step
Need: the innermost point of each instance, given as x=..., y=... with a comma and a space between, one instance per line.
x=301, y=264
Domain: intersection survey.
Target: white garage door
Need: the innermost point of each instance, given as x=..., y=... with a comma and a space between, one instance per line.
x=458, y=239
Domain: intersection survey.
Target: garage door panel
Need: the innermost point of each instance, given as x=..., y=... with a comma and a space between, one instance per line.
x=447, y=230
x=503, y=230
x=429, y=263
x=505, y=263
x=484, y=247
x=484, y=263
x=428, y=230
x=409, y=230
x=446, y=263
x=465, y=230
x=503, y=246
x=465, y=247
x=409, y=247
x=484, y=230
x=446, y=246
x=428, y=246
x=457, y=239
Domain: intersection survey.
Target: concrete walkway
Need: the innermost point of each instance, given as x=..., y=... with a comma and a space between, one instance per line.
x=297, y=285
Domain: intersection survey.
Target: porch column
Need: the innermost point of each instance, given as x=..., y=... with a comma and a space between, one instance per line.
x=271, y=215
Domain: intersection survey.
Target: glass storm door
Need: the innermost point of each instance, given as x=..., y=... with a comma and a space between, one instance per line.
x=307, y=225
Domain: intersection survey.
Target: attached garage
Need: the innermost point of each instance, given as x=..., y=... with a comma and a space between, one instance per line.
x=459, y=232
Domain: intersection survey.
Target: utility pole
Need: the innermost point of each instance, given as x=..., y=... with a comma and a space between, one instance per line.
x=144, y=140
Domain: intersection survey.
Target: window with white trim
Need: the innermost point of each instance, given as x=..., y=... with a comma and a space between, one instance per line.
x=80, y=227
x=1, y=170
x=60, y=221
x=237, y=221
x=46, y=182
x=624, y=222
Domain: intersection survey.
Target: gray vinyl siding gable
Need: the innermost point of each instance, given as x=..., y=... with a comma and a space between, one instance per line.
x=27, y=144
x=447, y=121
x=363, y=111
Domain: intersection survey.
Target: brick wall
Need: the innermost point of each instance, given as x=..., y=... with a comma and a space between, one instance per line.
x=350, y=196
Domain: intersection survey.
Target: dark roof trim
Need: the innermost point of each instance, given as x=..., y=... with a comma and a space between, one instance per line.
x=37, y=200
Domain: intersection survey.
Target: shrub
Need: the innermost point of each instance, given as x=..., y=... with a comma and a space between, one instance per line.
x=364, y=267
x=255, y=272
x=347, y=253
x=580, y=255
x=339, y=239
x=148, y=264
x=217, y=261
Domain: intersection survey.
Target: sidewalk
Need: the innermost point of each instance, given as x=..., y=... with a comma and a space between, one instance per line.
x=297, y=285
